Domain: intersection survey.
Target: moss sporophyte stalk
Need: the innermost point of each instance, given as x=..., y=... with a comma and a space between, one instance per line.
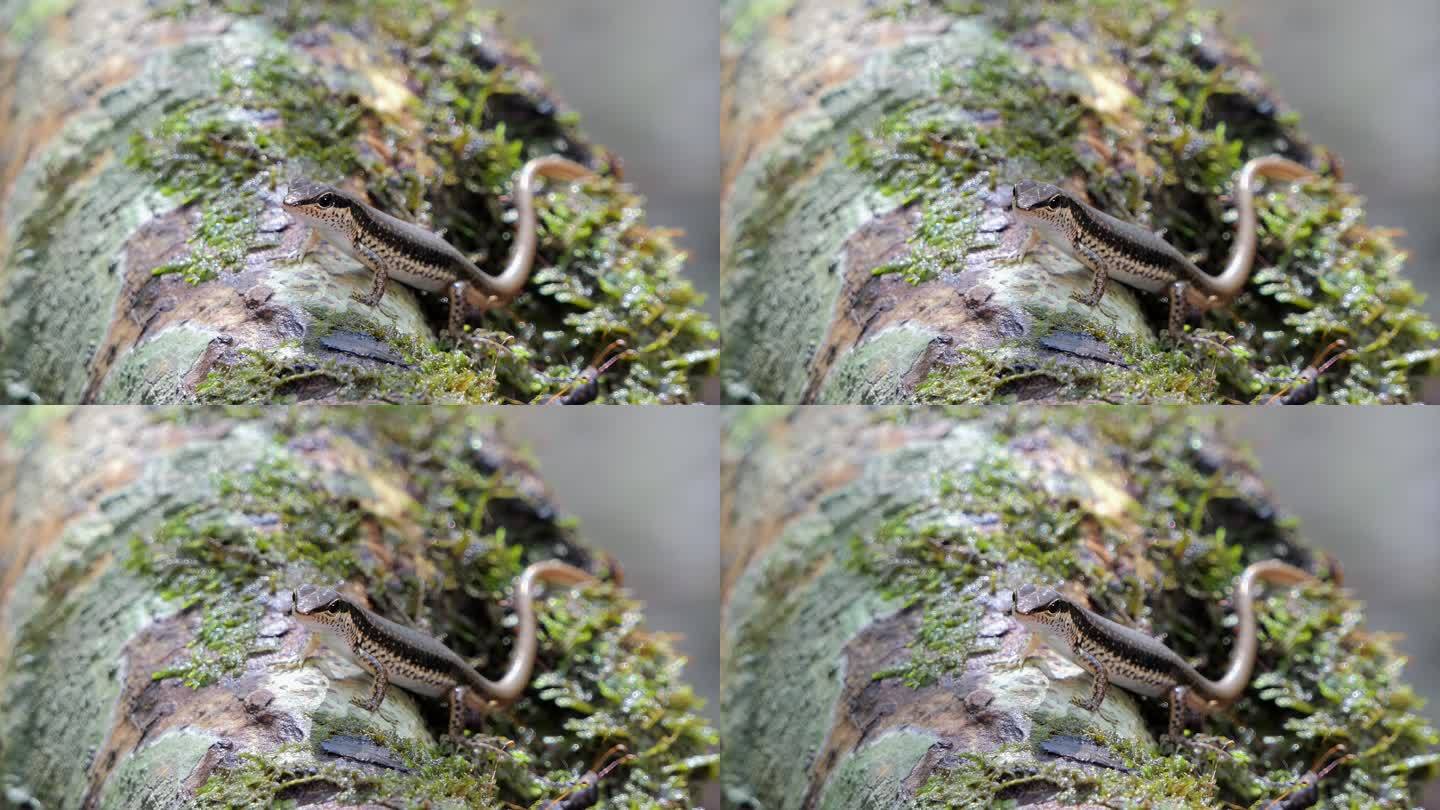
x=442, y=147
x=437, y=536
x=1161, y=135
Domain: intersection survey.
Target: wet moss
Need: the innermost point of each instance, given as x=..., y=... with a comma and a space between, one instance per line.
x=437, y=531
x=222, y=152
x=1159, y=138
x=1167, y=560
x=1143, y=372
x=285, y=374
x=1001, y=778
x=936, y=153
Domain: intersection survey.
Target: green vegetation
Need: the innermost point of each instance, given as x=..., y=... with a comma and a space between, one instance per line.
x=221, y=153
x=1168, y=559
x=441, y=147
x=1157, y=137
x=1143, y=371
x=436, y=533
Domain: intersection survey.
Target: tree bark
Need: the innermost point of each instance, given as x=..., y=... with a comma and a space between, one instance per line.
x=146, y=559
x=868, y=658
x=869, y=256
x=140, y=138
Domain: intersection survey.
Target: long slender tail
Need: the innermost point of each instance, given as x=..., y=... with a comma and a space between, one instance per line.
x=522, y=660
x=1242, y=657
x=522, y=253
x=1242, y=254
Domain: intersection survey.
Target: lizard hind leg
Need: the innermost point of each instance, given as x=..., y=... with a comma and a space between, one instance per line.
x=1179, y=308
x=456, y=728
x=456, y=325
x=1179, y=707
x=467, y=299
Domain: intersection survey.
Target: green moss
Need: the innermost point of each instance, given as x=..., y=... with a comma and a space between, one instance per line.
x=284, y=374
x=997, y=779
x=435, y=776
x=1187, y=530
x=752, y=15
x=454, y=541
x=29, y=17
x=1166, y=155
x=1145, y=372
x=931, y=153
x=219, y=152
x=935, y=557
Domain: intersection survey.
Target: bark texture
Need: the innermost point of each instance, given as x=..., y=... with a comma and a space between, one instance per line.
x=868, y=254
x=145, y=564
x=142, y=137
x=868, y=659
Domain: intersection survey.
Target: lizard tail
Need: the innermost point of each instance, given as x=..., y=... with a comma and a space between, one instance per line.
x=1242, y=255
x=522, y=660
x=1242, y=658
x=522, y=252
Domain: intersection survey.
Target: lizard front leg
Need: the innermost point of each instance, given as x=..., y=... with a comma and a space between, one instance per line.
x=1100, y=685
x=306, y=248
x=377, y=289
x=378, y=686
x=311, y=645
x=1089, y=258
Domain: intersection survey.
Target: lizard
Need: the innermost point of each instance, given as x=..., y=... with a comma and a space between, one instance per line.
x=418, y=662
x=1126, y=657
x=1114, y=248
x=391, y=247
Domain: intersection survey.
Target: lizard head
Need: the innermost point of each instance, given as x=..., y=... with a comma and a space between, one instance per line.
x=1031, y=196
x=320, y=206
x=1033, y=600
x=1045, y=208
x=1044, y=612
x=315, y=603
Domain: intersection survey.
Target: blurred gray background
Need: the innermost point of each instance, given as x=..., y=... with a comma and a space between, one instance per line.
x=1365, y=78
x=645, y=77
x=645, y=483
x=1365, y=484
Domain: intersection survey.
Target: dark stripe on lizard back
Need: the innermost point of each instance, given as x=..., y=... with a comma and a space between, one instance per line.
x=409, y=248
x=399, y=648
x=1124, y=649
x=1126, y=247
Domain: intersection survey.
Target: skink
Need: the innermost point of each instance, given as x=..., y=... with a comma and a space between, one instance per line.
x=412, y=660
x=1114, y=653
x=392, y=247
x=1113, y=248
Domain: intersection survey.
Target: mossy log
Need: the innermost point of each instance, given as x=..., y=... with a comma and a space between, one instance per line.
x=869, y=256
x=146, y=559
x=144, y=256
x=868, y=658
